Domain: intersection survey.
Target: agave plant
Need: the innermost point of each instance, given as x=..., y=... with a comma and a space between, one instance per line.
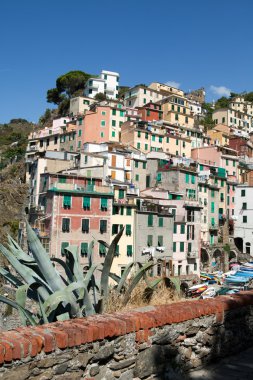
x=66, y=294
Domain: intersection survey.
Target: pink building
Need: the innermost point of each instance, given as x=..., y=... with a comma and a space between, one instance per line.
x=76, y=211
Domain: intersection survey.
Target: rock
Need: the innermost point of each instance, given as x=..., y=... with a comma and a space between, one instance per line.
x=60, y=369
x=104, y=352
x=192, y=330
x=71, y=376
x=22, y=373
x=185, y=352
x=50, y=362
x=127, y=375
x=94, y=369
x=118, y=357
x=46, y=375
x=84, y=358
x=122, y=364
x=189, y=342
x=165, y=337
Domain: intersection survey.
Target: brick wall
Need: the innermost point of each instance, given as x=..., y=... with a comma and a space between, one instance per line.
x=168, y=339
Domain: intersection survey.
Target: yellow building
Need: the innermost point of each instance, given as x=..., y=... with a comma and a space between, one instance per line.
x=123, y=214
x=176, y=110
x=165, y=89
x=218, y=137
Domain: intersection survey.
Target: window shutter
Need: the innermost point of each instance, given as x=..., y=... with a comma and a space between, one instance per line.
x=128, y=229
x=150, y=240
x=160, y=241
x=121, y=194
x=129, y=250
x=85, y=225
x=102, y=250
x=150, y=220
x=84, y=249
x=103, y=226
x=86, y=203
x=104, y=204
x=160, y=222
x=64, y=245
x=67, y=201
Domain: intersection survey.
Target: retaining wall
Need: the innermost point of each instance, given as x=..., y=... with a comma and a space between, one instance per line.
x=153, y=342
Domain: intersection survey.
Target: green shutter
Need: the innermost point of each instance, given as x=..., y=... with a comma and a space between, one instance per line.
x=129, y=250
x=115, y=228
x=160, y=241
x=159, y=177
x=117, y=250
x=128, y=230
x=67, y=201
x=84, y=249
x=63, y=246
x=128, y=211
x=175, y=228
x=121, y=194
x=150, y=240
x=160, y=222
x=189, y=247
x=102, y=249
x=174, y=246
x=213, y=221
x=85, y=225
x=181, y=246
x=86, y=203
x=104, y=204
x=150, y=220
x=182, y=229
x=62, y=180
x=212, y=207
x=186, y=178
x=193, y=179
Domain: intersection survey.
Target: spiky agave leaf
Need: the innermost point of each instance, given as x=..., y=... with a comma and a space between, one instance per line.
x=28, y=315
x=124, y=276
x=136, y=280
x=10, y=277
x=21, y=296
x=106, y=269
x=42, y=259
x=18, y=252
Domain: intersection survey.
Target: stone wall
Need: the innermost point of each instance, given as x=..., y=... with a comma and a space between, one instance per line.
x=147, y=343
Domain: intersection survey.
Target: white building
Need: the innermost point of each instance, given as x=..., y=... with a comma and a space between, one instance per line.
x=107, y=83
x=195, y=107
x=138, y=96
x=243, y=218
x=79, y=105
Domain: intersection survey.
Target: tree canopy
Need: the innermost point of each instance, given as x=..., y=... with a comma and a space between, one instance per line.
x=67, y=85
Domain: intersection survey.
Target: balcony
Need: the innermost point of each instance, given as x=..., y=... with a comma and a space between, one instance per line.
x=110, y=90
x=32, y=148
x=125, y=201
x=191, y=202
x=213, y=226
x=71, y=187
x=133, y=191
x=192, y=255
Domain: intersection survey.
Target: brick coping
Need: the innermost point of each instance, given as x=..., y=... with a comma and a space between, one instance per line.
x=29, y=341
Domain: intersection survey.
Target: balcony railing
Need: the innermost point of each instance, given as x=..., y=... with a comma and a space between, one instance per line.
x=213, y=226
x=192, y=255
x=79, y=188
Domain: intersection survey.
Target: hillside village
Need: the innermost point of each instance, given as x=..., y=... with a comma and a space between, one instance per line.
x=145, y=160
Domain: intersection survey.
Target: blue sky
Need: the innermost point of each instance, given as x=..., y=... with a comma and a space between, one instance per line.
x=191, y=42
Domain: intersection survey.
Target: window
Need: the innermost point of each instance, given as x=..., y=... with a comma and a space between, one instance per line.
x=114, y=112
x=85, y=225
x=153, y=137
x=113, y=134
x=167, y=140
x=103, y=226
x=212, y=207
x=128, y=230
x=233, y=163
x=136, y=164
x=138, y=145
x=86, y=203
x=212, y=193
x=159, y=177
x=150, y=240
x=186, y=120
x=137, y=177
x=176, y=141
x=121, y=113
x=221, y=197
x=186, y=178
x=144, y=165
x=243, y=192
x=174, y=246
x=146, y=136
x=102, y=123
x=176, y=116
x=244, y=206
x=160, y=222
x=84, y=249
x=67, y=201
x=102, y=249
x=121, y=210
x=181, y=246
x=182, y=229
x=103, y=113
x=101, y=134
x=65, y=224
x=222, y=183
x=103, y=204
x=148, y=112
x=115, y=229
x=193, y=179
x=139, y=133
x=129, y=250
x=121, y=194
x=244, y=219
x=79, y=144
x=113, y=123
x=160, y=139
x=175, y=228
x=64, y=245
x=62, y=180
x=128, y=211
x=150, y=220
x=144, y=101
x=146, y=146
x=189, y=247
x=227, y=162
x=160, y=241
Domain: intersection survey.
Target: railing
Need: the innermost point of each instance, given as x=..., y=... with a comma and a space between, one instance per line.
x=192, y=255
x=213, y=226
x=75, y=187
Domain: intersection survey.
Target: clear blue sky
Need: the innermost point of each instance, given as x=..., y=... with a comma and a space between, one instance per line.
x=194, y=43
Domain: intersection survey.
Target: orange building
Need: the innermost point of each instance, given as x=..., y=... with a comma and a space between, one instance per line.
x=150, y=112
